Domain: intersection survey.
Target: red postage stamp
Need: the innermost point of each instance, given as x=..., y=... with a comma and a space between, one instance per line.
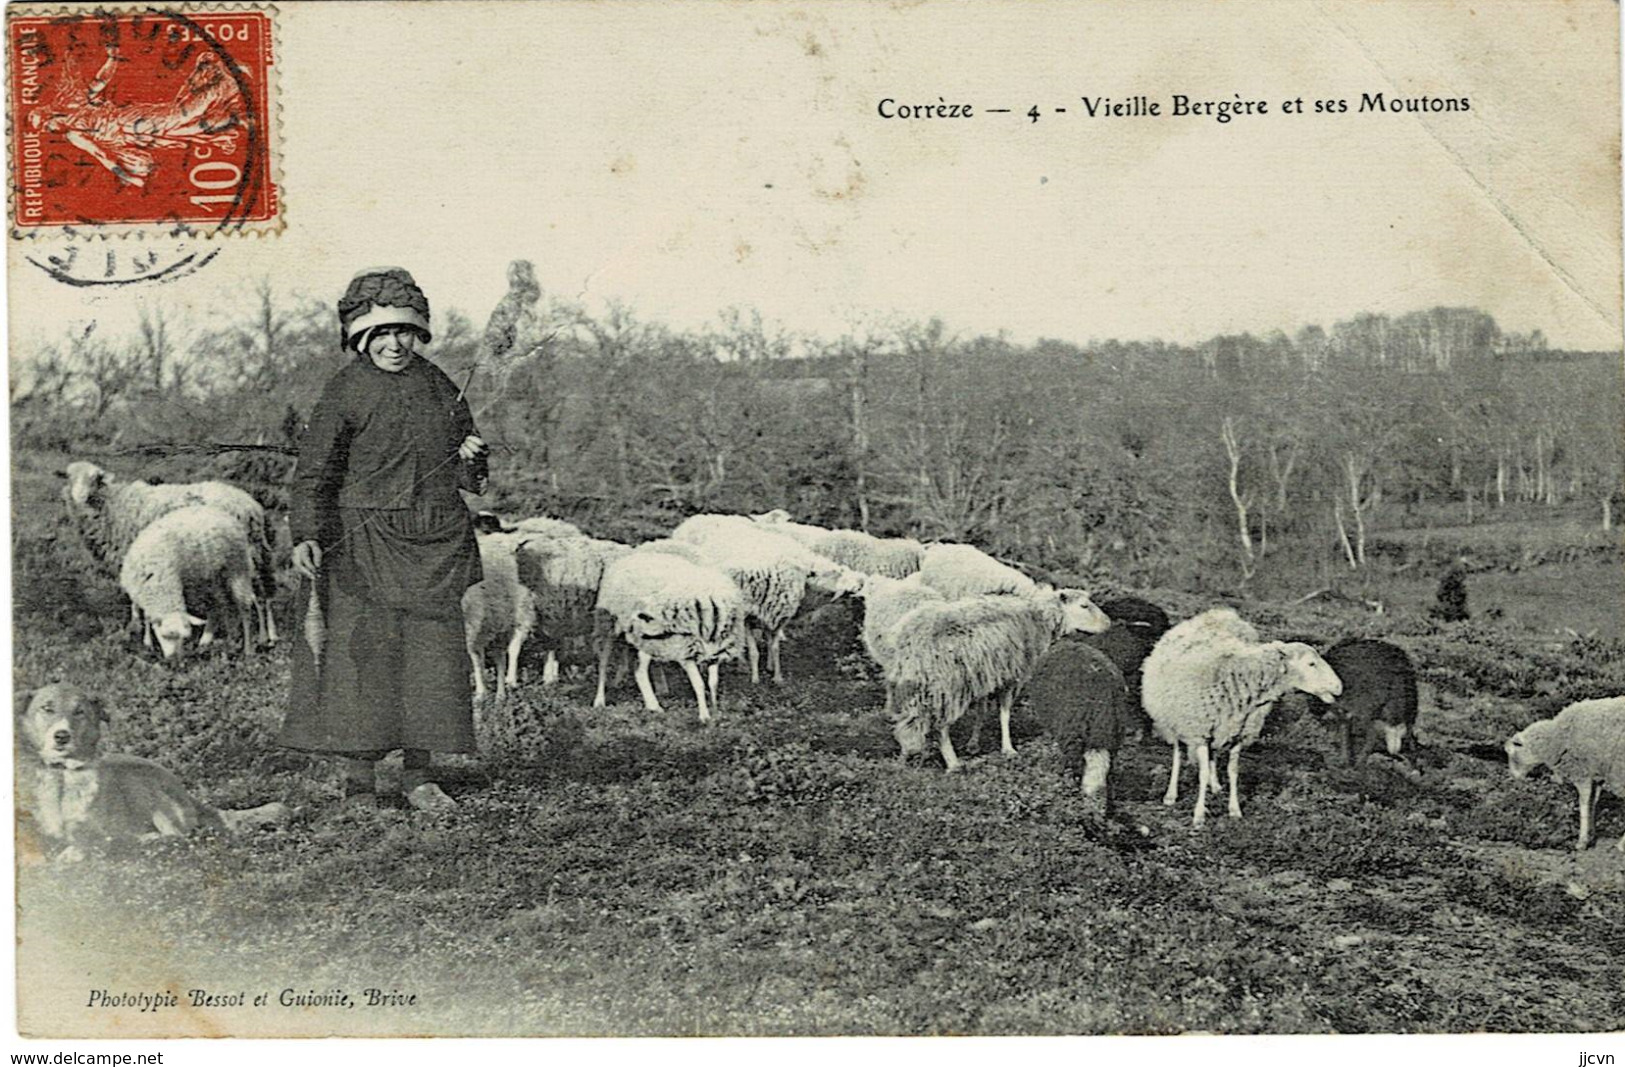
x=163, y=116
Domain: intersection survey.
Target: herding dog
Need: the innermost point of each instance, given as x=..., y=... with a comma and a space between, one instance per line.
x=77, y=799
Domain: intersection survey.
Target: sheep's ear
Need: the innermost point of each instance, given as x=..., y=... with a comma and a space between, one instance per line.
x=24, y=698
x=99, y=708
x=62, y=473
x=195, y=621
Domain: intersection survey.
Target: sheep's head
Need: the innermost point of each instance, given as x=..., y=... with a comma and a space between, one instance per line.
x=1080, y=614
x=774, y=517
x=838, y=580
x=1526, y=749
x=1308, y=672
x=85, y=485
x=174, y=633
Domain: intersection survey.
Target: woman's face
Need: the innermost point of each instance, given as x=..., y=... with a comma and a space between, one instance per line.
x=391, y=348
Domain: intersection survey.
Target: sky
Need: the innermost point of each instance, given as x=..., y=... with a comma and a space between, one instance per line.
x=683, y=159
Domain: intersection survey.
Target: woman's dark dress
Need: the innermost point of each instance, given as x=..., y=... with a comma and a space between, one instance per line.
x=376, y=486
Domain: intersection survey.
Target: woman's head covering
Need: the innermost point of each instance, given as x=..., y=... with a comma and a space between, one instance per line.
x=383, y=296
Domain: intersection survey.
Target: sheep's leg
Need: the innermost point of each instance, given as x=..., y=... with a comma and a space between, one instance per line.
x=891, y=701
x=949, y=756
x=620, y=666
x=1213, y=773
x=606, y=649
x=754, y=654
x=1097, y=769
x=661, y=683
x=1172, y=795
x=208, y=632
x=773, y=662
x=1204, y=782
x=642, y=673
x=1348, y=743
x=1235, y=768
x=478, y=660
x=271, y=637
x=1007, y=701
x=248, y=612
x=692, y=669
x=711, y=679
x=1585, y=789
x=514, y=645
x=550, y=669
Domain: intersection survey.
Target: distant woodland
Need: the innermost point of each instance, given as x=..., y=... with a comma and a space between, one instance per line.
x=1213, y=462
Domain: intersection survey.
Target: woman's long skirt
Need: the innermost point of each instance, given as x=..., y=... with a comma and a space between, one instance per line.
x=384, y=665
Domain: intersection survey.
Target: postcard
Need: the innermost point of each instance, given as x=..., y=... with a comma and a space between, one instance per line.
x=784, y=519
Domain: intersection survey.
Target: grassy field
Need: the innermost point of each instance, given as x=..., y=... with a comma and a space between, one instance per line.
x=779, y=872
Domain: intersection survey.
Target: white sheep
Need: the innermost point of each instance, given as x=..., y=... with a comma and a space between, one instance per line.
x=564, y=574
x=773, y=573
x=1209, y=684
x=109, y=513
x=669, y=608
x=950, y=653
x=195, y=557
x=541, y=524
x=778, y=519
x=499, y=606
x=964, y=570
x=892, y=557
x=885, y=602
x=1584, y=745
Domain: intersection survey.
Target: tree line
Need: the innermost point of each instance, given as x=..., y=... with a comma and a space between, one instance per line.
x=1155, y=462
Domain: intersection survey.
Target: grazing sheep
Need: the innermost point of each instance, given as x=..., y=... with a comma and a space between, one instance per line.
x=964, y=570
x=1082, y=699
x=564, y=574
x=1379, y=691
x=891, y=557
x=547, y=527
x=885, y=602
x=109, y=514
x=195, y=557
x=1584, y=745
x=779, y=520
x=1209, y=684
x=950, y=653
x=773, y=573
x=1136, y=627
x=700, y=528
x=496, y=607
x=669, y=608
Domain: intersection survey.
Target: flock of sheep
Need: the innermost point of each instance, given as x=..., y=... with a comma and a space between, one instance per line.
x=949, y=627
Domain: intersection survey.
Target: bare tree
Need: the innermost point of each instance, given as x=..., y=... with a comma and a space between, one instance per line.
x=1242, y=501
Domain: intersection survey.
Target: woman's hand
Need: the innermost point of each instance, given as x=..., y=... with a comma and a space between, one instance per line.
x=472, y=446
x=307, y=559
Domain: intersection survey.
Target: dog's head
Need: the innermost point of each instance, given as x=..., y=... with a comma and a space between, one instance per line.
x=63, y=724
